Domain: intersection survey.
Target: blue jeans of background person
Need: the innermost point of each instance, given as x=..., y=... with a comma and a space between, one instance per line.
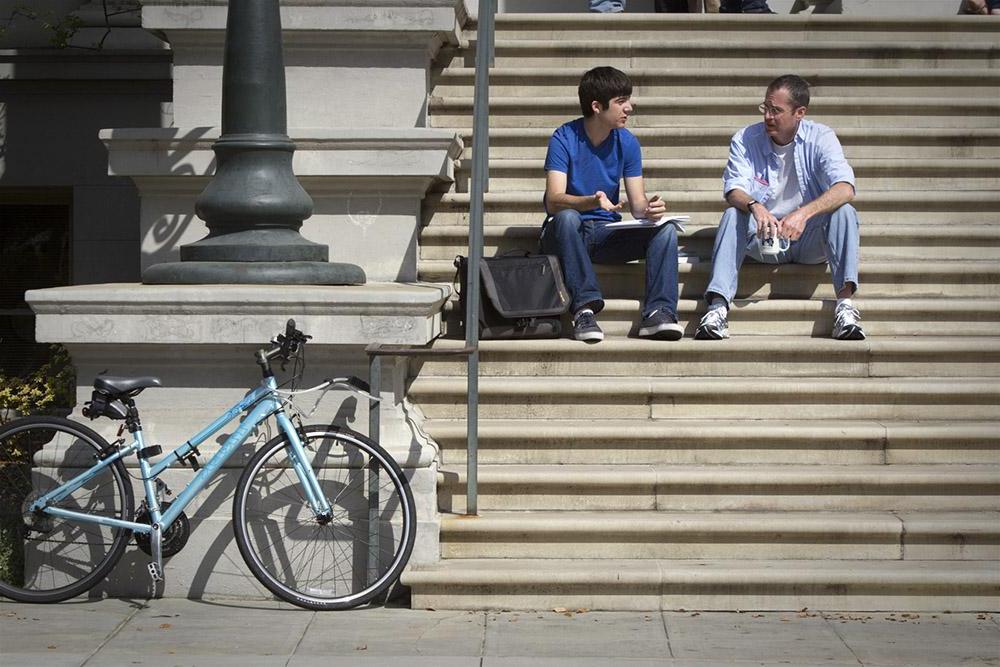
x=744, y=6
x=580, y=244
x=607, y=6
x=831, y=237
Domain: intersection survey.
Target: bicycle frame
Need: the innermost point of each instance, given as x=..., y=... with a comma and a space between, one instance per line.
x=265, y=403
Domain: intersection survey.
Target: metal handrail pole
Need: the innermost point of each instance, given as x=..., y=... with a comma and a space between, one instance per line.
x=480, y=175
x=492, y=34
x=375, y=433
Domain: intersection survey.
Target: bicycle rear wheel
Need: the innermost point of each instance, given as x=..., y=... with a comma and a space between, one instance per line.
x=325, y=563
x=44, y=558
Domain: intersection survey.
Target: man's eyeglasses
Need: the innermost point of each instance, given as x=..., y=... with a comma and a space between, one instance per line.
x=768, y=110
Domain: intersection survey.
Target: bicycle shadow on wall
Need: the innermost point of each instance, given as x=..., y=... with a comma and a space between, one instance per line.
x=366, y=525
x=130, y=578
x=56, y=551
x=220, y=560
x=221, y=550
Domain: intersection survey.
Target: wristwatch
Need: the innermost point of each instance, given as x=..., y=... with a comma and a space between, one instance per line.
x=750, y=205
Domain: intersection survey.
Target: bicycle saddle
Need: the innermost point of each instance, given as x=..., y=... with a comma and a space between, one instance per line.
x=112, y=384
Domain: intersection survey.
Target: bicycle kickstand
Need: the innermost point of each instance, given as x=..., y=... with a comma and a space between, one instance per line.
x=155, y=567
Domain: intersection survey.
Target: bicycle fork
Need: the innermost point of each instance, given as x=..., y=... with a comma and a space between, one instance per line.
x=300, y=463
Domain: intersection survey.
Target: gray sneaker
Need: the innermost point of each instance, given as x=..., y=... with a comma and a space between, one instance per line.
x=661, y=326
x=714, y=325
x=585, y=328
x=847, y=323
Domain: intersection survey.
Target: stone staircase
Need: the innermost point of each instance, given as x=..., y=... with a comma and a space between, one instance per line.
x=779, y=469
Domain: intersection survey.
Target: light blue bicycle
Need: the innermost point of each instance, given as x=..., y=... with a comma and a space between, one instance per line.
x=323, y=516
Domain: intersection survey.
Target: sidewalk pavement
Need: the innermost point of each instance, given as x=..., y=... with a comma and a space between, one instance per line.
x=210, y=633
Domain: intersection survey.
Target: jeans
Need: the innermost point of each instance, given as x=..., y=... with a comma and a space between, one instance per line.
x=831, y=237
x=607, y=6
x=580, y=244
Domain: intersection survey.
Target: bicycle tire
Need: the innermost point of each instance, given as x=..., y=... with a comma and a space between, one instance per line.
x=315, y=565
x=45, y=558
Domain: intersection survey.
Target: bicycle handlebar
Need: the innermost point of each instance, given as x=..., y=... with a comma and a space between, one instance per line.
x=350, y=383
x=285, y=345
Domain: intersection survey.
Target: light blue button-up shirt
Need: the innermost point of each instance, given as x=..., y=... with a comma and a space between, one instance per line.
x=819, y=162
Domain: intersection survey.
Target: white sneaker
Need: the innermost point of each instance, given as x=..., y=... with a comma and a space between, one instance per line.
x=847, y=323
x=714, y=325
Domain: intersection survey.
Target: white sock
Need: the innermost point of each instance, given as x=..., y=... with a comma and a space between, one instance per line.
x=842, y=302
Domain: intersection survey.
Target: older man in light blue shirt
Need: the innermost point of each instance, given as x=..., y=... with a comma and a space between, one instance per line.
x=787, y=183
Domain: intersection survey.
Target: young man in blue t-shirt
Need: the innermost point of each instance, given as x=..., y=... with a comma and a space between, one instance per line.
x=586, y=160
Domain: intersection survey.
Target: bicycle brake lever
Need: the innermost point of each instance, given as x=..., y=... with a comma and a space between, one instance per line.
x=359, y=383
x=355, y=389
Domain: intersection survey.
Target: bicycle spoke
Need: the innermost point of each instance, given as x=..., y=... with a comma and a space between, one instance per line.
x=44, y=558
x=323, y=562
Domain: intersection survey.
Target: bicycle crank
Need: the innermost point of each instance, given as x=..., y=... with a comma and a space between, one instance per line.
x=172, y=541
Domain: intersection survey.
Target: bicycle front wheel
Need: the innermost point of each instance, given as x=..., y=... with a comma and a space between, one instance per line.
x=44, y=558
x=330, y=562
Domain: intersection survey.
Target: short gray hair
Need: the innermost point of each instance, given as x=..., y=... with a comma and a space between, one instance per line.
x=797, y=87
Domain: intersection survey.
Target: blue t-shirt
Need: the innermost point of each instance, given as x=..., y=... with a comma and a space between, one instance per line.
x=591, y=168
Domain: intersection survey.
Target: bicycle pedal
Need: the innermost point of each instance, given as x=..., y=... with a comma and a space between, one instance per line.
x=155, y=572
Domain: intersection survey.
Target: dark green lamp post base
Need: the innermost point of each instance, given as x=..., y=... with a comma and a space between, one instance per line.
x=253, y=273
x=254, y=206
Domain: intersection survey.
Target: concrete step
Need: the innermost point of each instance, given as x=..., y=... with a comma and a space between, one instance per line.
x=748, y=356
x=907, y=207
x=642, y=398
x=801, y=317
x=729, y=112
x=687, y=174
x=736, y=51
x=713, y=142
x=519, y=215
x=620, y=463
x=716, y=440
x=723, y=535
x=789, y=29
x=669, y=80
x=647, y=584
x=758, y=488
x=878, y=242
x=905, y=279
